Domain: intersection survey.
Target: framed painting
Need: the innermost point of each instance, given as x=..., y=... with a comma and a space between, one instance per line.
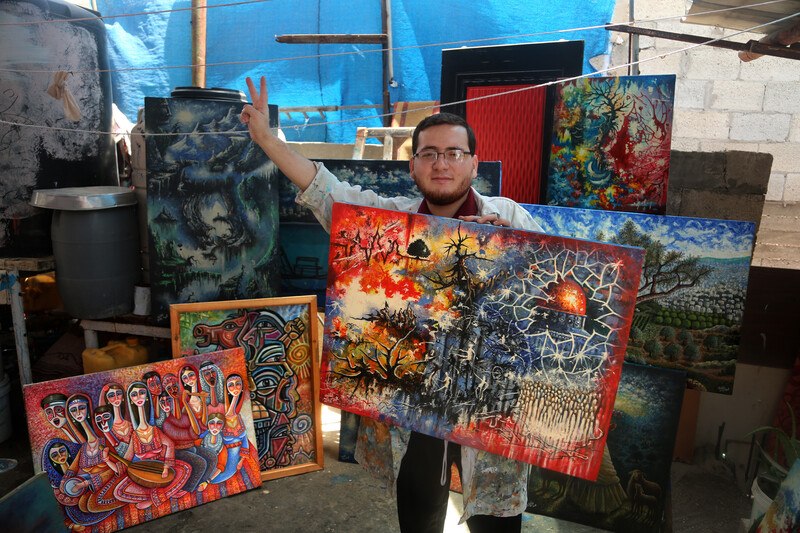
x=279, y=339
x=126, y=446
x=631, y=492
x=513, y=128
x=303, y=242
x=500, y=339
x=611, y=143
x=212, y=205
x=692, y=292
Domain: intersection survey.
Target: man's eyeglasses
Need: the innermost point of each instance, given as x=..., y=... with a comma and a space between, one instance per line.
x=454, y=155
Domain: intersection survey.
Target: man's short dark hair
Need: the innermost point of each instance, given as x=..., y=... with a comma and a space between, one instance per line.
x=443, y=118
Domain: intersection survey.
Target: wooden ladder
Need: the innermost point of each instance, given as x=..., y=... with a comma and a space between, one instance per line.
x=386, y=135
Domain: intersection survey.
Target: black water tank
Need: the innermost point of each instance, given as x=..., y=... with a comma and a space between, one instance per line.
x=34, y=158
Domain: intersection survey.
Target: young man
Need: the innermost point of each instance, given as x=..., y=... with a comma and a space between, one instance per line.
x=418, y=466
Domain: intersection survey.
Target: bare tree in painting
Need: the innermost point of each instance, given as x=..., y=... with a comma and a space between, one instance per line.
x=389, y=351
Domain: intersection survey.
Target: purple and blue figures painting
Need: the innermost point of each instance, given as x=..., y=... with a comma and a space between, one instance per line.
x=630, y=492
x=129, y=445
x=304, y=244
x=692, y=292
x=611, y=143
x=505, y=340
x=212, y=205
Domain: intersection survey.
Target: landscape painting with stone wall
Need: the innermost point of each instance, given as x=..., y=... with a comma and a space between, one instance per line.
x=692, y=292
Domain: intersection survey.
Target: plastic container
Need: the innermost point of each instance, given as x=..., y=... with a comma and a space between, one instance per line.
x=116, y=354
x=129, y=352
x=39, y=158
x=761, y=502
x=5, y=408
x=96, y=248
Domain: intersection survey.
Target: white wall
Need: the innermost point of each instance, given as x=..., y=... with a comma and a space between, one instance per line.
x=722, y=103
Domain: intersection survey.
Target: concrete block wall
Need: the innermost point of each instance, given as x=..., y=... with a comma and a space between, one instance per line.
x=722, y=103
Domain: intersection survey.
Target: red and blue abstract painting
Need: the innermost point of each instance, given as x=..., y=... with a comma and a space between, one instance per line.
x=611, y=143
x=505, y=340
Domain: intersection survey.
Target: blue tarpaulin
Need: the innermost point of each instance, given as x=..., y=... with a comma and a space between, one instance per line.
x=348, y=74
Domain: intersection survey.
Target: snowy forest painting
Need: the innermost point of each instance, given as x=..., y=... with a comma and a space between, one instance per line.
x=692, y=292
x=212, y=206
x=501, y=339
x=611, y=143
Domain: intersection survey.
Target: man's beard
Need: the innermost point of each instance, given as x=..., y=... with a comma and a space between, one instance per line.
x=444, y=198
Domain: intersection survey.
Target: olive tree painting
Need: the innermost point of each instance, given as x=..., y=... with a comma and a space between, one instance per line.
x=692, y=292
x=500, y=339
x=279, y=338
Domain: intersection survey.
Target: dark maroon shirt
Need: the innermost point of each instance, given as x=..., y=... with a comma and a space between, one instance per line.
x=468, y=209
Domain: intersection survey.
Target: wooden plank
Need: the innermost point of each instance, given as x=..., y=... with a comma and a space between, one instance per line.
x=332, y=38
x=28, y=264
x=141, y=330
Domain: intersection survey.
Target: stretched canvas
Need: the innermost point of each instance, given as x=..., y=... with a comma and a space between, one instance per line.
x=611, y=143
x=129, y=445
x=631, y=491
x=692, y=291
x=279, y=339
x=501, y=339
x=303, y=242
x=783, y=514
x=212, y=206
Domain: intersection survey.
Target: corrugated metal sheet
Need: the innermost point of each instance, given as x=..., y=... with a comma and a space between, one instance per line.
x=747, y=17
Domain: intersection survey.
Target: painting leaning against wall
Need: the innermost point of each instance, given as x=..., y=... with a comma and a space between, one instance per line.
x=212, y=205
x=500, y=339
x=631, y=492
x=611, y=143
x=692, y=292
x=279, y=337
x=129, y=445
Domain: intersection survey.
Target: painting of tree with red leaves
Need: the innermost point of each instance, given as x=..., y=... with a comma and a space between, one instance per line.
x=505, y=340
x=611, y=144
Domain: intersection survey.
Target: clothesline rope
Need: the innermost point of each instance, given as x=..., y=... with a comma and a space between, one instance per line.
x=358, y=119
x=159, y=12
x=245, y=2
x=394, y=49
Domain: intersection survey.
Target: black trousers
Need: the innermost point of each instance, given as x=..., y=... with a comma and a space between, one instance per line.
x=422, y=499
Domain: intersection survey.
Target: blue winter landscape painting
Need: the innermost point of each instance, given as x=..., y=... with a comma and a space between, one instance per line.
x=692, y=292
x=212, y=205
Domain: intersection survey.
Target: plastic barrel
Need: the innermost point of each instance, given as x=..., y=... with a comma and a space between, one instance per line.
x=95, y=247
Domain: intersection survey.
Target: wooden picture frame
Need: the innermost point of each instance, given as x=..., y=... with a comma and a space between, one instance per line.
x=280, y=340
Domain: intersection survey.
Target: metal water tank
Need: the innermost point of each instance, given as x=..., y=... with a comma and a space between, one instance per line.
x=32, y=157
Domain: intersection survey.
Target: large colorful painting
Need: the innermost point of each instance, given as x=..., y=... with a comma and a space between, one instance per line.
x=611, y=143
x=693, y=287
x=129, y=445
x=212, y=206
x=279, y=337
x=304, y=244
x=501, y=339
x=630, y=493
